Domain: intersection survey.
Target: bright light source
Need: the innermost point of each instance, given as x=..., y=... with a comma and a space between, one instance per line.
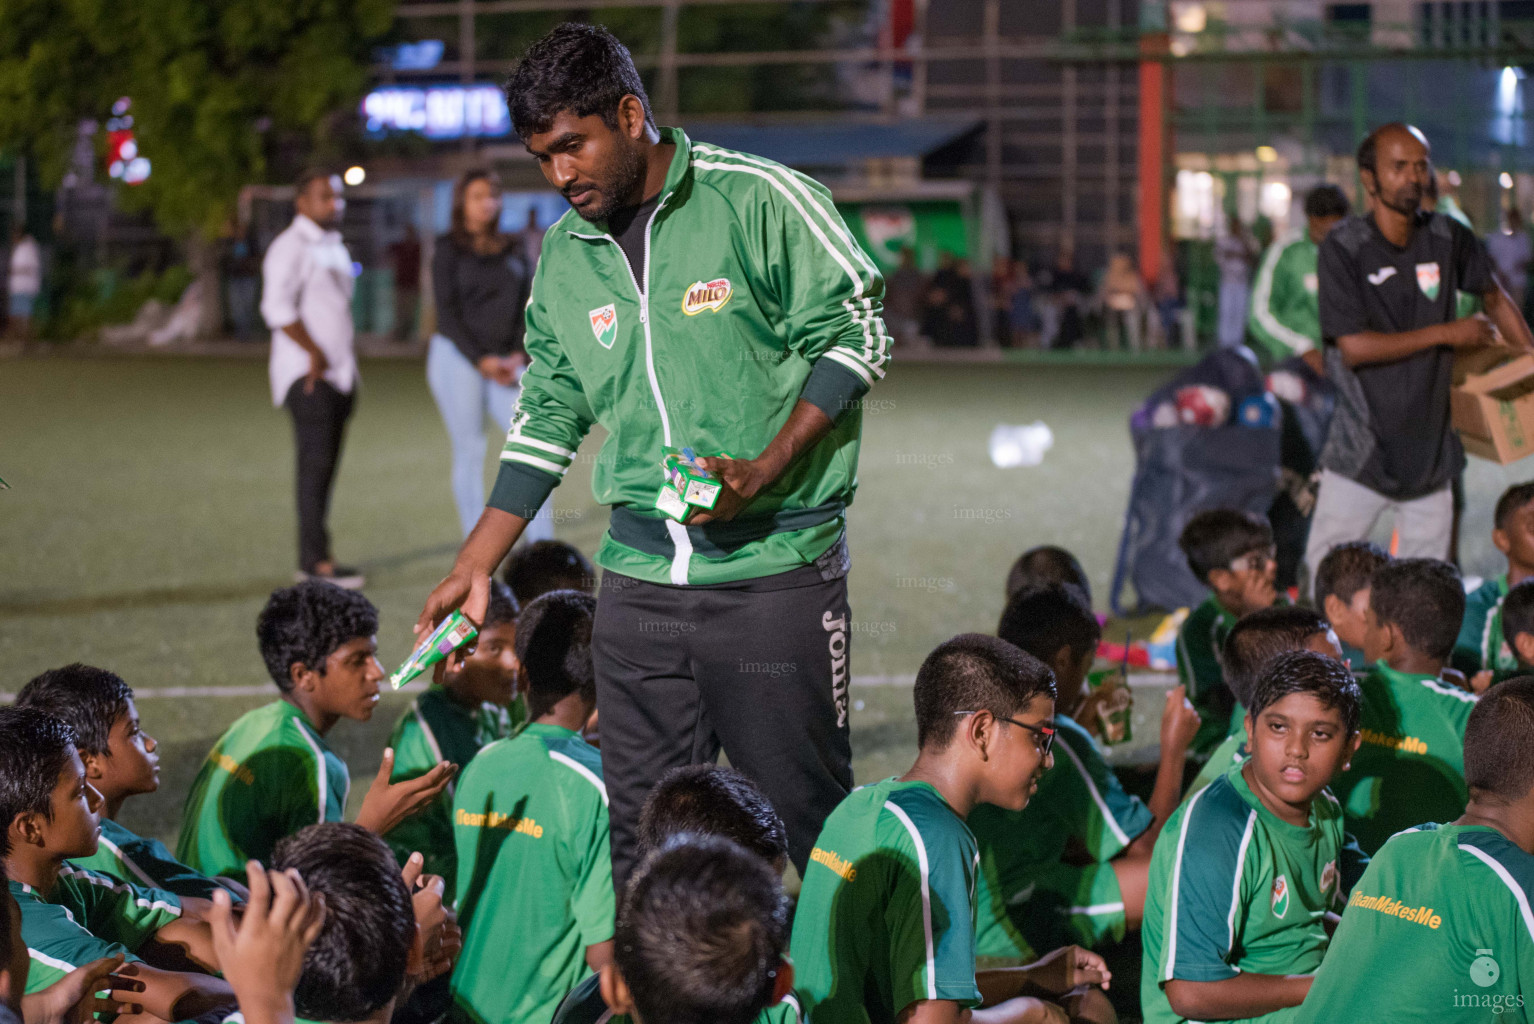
x=1267, y=154
x=1274, y=201
x=1190, y=17
x=1454, y=178
x=355, y=176
x=1505, y=180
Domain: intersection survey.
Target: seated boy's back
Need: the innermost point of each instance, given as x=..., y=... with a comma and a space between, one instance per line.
x=1411, y=763
x=1438, y=928
x=535, y=889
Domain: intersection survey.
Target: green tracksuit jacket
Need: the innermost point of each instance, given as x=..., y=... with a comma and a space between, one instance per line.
x=1286, y=315
x=753, y=295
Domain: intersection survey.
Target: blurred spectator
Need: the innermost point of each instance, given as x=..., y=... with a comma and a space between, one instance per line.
x=903, y=299
x=1060, y=312
x=242, y=281
x=1235, y=253
x=1123, y=300
x=999, y=298
x=405, y=258
x=948, y=318
x=530, y=238
x=1439, y=195
x=1167, y=294
x=1025, y=317
x=1511, y=252
x=24, y=283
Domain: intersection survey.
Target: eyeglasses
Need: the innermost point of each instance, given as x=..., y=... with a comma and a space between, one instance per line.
x=1043, y=735
x=1255, y=561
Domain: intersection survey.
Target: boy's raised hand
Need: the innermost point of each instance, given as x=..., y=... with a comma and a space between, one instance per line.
x=438, y=939
x=1179, y=721
x=386, y=804
x=73, y=999
x=262, y=955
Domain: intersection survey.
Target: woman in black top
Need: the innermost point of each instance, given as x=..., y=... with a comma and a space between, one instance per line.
x=476, y=357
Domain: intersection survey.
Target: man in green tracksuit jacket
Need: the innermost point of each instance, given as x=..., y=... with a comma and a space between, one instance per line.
x=1286, y=314
x=693, y=297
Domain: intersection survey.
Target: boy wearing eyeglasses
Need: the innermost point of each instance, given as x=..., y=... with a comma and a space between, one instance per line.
x=1232, y=553
x=885, y=928
x=1246, y=876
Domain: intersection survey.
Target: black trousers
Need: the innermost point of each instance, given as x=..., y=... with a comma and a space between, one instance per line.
x=759, y=667
x=319, y=427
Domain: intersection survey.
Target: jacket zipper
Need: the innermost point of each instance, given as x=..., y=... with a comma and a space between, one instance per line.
x=644, y=317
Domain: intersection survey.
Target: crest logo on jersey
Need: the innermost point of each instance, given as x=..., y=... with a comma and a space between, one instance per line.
x=1427, y=279
x=604, y=324
x=707, y=295
x=1484, y=970
x=1280, y=898
x=1329, y=876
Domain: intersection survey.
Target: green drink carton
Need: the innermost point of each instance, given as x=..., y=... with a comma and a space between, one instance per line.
x=1114, y=701
x=687, y=484
x=453, y=633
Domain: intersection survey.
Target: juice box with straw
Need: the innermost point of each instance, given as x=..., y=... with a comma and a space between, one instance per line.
x=1114, y=702
x=453, y=633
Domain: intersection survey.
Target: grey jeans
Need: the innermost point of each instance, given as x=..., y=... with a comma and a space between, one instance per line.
x=1347, y=510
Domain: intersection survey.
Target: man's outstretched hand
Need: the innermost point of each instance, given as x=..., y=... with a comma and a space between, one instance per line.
x=468, y=592
x=387, y=804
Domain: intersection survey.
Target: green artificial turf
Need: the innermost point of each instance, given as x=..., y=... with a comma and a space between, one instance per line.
x=151, y=512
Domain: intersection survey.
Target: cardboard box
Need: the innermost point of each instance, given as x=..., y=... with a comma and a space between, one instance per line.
x=1492, y=403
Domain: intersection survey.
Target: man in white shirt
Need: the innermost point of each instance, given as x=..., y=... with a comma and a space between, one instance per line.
x=306, y=301
x=25, y=281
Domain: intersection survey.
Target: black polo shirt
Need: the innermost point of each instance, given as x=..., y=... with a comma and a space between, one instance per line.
x=1391, y=430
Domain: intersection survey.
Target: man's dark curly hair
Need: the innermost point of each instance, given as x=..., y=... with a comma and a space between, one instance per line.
x=306, y=623
x=90, y=700
x=576, y=67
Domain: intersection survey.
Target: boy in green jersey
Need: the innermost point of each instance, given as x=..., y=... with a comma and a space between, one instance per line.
x=70, y=917
x=1518, y=624
x=1439, y=928
x=472, y=701
x=885, y=926
x=702, y=938
x=1482, y=645
x=121, y=761
x=1231, y=552
x=530, y=817
x=1411, y=765
x=1247, y=870
x=1071, y=866
x=376, y=941
x=271, y=772
x=1342, y=594
x=695, y=800
x=1252, y=644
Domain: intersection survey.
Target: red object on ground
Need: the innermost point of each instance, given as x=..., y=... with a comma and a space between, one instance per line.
x=1139, y=656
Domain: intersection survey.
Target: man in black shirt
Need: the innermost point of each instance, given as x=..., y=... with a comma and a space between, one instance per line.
x=1388, y=284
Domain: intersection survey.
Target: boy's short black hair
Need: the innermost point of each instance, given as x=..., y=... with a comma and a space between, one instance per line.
x=975, y=672
x=1326, y=679
x=1513, y=499
x=1044, y=565
x=701, y=933
x=1326, y=201
x=1499, y=759
x=90, y=700
x=1260, y=637
x=305, y=623
x=710, y=799
x=1215, y=538
x=5, y=908
x=358, y=962
x=1425, y=598
x=35, y=747
x=503, y=606
x=1518, y=611
x=554, y=646
x=1043, y=619
x=1347, y=569
x=536, y=569
x=576, y=67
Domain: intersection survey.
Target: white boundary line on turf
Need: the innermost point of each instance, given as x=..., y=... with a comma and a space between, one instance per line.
x=266, y=689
